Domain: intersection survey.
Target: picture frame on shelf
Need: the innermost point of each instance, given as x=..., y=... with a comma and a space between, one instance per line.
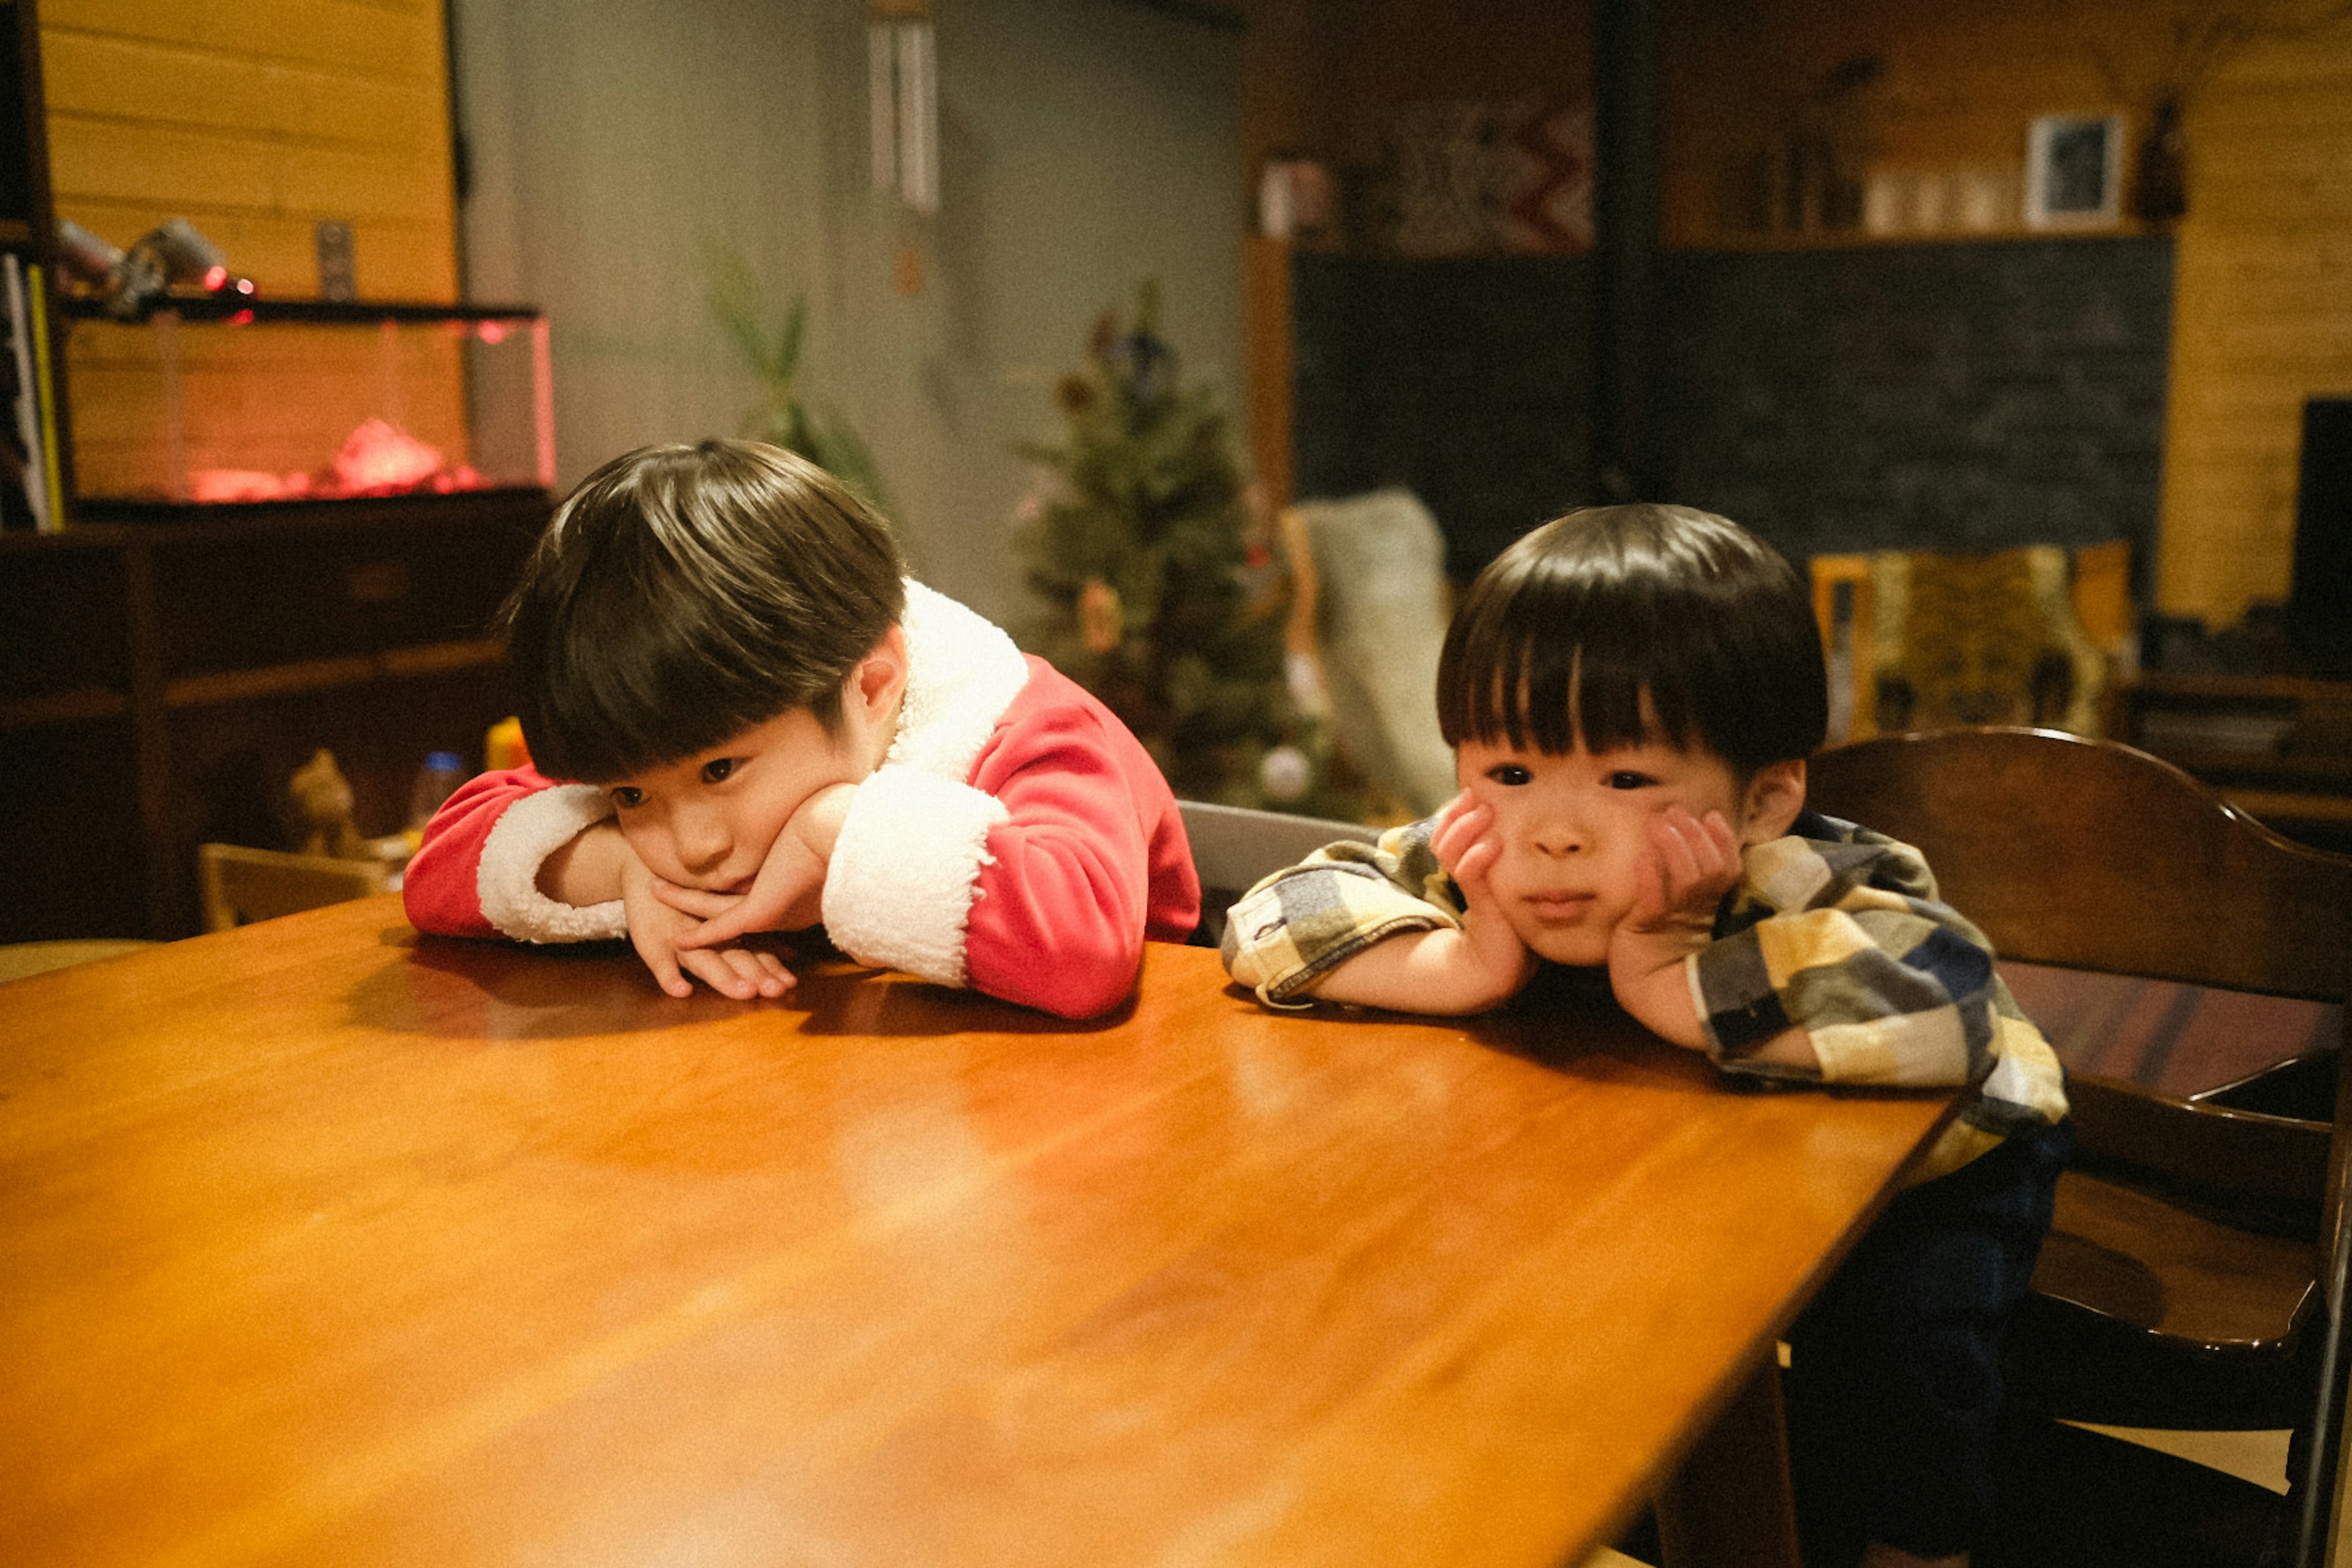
x=2073, y=172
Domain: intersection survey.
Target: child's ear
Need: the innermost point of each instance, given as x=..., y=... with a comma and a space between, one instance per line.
x=880, y=678
x=1775, y=795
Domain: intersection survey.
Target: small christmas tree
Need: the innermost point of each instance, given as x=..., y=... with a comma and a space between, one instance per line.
x=1162, y=591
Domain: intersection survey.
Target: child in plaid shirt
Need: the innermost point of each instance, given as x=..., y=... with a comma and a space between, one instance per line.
x=1632, y=692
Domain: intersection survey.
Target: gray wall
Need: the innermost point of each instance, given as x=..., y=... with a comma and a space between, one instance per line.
x=1086, y=144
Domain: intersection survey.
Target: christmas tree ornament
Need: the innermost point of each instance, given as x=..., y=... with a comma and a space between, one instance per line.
x=1284, y=774
x=1100, y=622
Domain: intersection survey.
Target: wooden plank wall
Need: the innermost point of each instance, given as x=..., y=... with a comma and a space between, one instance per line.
x=255, y=121
x=2262, y=317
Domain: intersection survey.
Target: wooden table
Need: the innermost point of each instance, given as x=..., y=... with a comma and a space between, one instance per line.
x=322, y=1243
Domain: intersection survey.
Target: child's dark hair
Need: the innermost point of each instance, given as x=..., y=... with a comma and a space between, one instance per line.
x=1563, y=633
x=683, y=594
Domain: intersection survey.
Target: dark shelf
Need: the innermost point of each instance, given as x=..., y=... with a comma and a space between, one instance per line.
x=227, y=306
x=300, y=512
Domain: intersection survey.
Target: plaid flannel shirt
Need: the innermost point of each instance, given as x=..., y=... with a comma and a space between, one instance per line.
x=1834, y=929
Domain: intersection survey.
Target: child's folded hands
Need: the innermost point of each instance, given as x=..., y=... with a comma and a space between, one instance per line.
x=661, y=933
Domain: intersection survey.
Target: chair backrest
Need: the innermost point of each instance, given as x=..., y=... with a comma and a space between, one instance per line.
x=2091, y=854
x=2088, y=854
x=1233, y=847
x=241, y=884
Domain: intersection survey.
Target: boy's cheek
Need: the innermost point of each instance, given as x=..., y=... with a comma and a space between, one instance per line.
x=651, y=852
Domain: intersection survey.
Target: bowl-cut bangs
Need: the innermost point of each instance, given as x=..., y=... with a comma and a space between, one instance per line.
x=1616, y=625
x=683, y=594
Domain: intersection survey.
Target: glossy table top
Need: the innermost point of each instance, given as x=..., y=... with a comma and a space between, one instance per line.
x=320, y=1242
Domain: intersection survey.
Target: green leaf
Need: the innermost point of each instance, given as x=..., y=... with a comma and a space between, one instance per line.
x=781, y=418
x=787, y=362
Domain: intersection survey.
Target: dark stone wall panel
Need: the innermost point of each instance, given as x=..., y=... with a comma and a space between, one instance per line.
x=1961, y=397
x=1965, y=397
x=1465, y=381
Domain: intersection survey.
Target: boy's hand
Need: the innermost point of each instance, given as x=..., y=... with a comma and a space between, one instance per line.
x=1482, y=965
x=659, y=934
x=788, y=892
x=1495, y=963
x=1690, y=864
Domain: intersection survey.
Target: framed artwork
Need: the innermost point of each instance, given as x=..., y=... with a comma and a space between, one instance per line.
x=2074, y=172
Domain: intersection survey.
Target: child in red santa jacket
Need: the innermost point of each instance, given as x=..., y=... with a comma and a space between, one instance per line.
x=772, y=727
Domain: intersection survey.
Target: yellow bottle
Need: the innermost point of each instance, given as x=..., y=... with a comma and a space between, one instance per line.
x=503, y=746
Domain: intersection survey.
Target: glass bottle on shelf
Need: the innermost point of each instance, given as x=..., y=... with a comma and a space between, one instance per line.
x=437, y=781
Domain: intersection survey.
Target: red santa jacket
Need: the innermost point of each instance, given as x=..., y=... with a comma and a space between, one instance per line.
x=1017, y=838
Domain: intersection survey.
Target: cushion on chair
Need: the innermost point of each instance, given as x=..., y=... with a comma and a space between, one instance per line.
x=1983, y=639
x=1921, y=640
x=1380, y=569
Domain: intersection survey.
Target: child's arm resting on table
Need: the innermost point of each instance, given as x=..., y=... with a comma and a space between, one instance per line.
x=1691, y=865
x=1847, y=945
x=1383, y=926
x=514, y=855
x=478, y=872
x=1030, y=882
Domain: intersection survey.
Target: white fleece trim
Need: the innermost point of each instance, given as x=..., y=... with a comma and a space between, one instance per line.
x=519, y=842
x=900, y=889
x=962, y=672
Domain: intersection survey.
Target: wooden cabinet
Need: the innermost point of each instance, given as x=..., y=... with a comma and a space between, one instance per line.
x=158, y=680
x=2277, y=747
x=164, y=667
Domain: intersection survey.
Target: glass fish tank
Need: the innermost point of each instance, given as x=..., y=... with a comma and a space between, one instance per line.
x=221, y=401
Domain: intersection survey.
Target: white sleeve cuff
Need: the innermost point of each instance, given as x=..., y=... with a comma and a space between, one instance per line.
x=525, y=834
x=898, y=890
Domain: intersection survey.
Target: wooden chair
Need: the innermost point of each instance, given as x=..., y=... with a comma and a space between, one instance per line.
x=1233, y=847
x=241, y=885
x=2195, y=1277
